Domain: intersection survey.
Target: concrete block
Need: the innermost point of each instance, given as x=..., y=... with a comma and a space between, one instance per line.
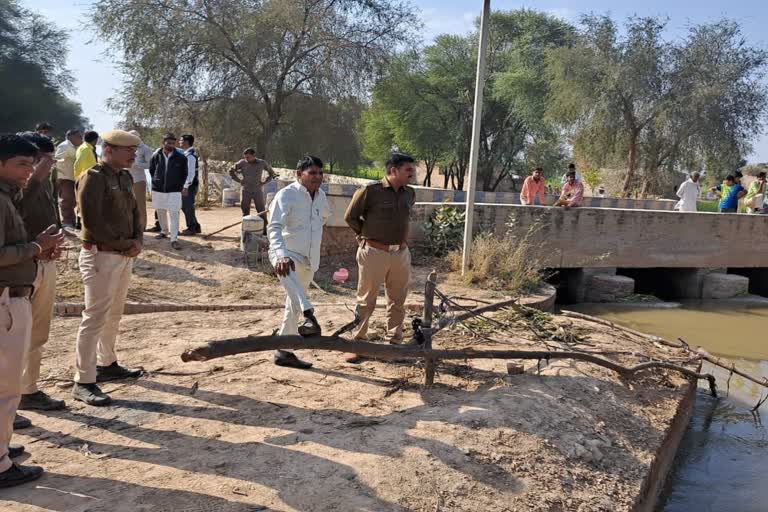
x=608, y=288
x=723, y=286
x=758, y=279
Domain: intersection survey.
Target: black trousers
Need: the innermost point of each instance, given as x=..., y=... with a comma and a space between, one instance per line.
x=188, y=207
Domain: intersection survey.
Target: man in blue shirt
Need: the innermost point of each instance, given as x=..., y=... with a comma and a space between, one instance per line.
x=730, y=193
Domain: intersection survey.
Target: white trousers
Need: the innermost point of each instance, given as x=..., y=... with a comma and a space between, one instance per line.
x=296, y=301
x=106, y=277
x=171, y=230
x=15, y=331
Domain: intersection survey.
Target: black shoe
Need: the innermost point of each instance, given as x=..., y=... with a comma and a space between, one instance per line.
x=198, y=229
x=309, y=327
x=20, y=422
x=289, y=360
x=17, y=475
x=116, y=372
x=91, y=394
x=188, y=232
x=15, y=450
x=160, y=236
x=155, y=229
x=39, y=401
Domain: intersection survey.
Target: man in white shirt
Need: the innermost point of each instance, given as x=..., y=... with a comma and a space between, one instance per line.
x=688, y=193
x=188, y=201
x=65, y=156
x=138, y=173
x=296, y=219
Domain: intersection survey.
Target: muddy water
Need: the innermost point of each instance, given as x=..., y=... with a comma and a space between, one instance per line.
x=723, y=459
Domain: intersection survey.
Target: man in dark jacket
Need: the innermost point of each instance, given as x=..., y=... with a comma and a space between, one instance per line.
x=171, y=179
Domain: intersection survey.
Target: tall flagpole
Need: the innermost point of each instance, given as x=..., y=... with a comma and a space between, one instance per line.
x=474, y=153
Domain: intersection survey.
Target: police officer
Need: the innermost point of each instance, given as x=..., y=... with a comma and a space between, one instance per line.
x=112, y=238
x=379, y=214
x=38, y=209
x=18, y=268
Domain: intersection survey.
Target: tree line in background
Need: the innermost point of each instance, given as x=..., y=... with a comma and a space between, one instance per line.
x=34, y=79
x=348, y=80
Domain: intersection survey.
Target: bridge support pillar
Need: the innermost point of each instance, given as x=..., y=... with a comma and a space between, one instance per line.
x=594, y=285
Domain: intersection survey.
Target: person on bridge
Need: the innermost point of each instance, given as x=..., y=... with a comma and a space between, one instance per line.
x=688, y=193
x=532, y=192
x=730, y=193
x=572, y=193
x=756, y=195
x=296, y=219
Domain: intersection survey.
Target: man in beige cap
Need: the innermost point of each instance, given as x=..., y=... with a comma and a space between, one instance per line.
x=112, y=238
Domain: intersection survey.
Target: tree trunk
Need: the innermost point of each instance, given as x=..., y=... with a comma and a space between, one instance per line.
x=205, y=177
x=631, y=163
x=430, y=165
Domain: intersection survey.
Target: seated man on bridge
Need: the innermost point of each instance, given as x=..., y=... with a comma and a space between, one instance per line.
x=533, y=189
x=572, y=193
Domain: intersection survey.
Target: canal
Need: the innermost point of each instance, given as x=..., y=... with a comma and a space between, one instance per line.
x=723, y=458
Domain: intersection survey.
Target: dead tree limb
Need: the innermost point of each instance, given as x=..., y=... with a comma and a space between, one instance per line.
x=234, y=346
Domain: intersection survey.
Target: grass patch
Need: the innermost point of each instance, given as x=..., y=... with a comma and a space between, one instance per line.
x=707, y=206
x=501, y=264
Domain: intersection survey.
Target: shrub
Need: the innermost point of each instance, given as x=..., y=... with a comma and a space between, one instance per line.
x=444, y=231
x=501, y=264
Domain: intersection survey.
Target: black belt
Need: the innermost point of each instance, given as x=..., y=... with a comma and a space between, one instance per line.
x=16, y=292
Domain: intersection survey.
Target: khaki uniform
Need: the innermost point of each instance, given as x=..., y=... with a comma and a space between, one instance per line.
x=38, y=209
x=111, y=223
x=379, y=215
x=17, y=273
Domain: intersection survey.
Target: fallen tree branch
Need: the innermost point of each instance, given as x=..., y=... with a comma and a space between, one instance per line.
x=233, y=346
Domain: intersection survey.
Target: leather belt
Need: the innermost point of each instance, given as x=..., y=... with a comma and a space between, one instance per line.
x=385, y=247
x=100, y=248
x=16, y=292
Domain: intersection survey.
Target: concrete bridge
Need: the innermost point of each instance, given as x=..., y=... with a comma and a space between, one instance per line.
x=603, y=254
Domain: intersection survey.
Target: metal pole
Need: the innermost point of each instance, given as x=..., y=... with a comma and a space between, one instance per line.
x=474, y=153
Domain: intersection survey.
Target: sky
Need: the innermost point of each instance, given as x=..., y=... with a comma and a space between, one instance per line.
x=97, y=79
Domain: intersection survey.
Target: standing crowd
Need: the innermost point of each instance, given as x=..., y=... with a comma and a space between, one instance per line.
x=47, y=192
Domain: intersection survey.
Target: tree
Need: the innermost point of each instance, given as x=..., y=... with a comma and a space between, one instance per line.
x=255, y=56
x=655, y=104
x=424, y=103
x=33, y=78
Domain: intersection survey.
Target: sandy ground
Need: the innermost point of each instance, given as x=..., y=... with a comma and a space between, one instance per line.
x=240, y=434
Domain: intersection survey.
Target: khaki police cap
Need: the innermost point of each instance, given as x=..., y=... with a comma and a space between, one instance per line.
x=120, y=138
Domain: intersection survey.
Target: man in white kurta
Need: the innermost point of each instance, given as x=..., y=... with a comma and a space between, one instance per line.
x=689, y=193
x=296, y=219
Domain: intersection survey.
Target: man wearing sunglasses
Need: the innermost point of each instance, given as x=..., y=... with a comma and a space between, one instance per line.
x=297, y=215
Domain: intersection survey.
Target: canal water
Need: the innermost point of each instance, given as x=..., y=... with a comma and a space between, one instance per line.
x=723, y=459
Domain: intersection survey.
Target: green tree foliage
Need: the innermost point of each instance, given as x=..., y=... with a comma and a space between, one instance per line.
x=33, y=78
x=424, y=103
x=652, y=104
x=244, y=63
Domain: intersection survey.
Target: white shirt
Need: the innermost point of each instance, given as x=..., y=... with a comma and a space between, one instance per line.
x=688, y=194
x=143, y=156
x=296, y=223
x=191, y=166
x=65, y=155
